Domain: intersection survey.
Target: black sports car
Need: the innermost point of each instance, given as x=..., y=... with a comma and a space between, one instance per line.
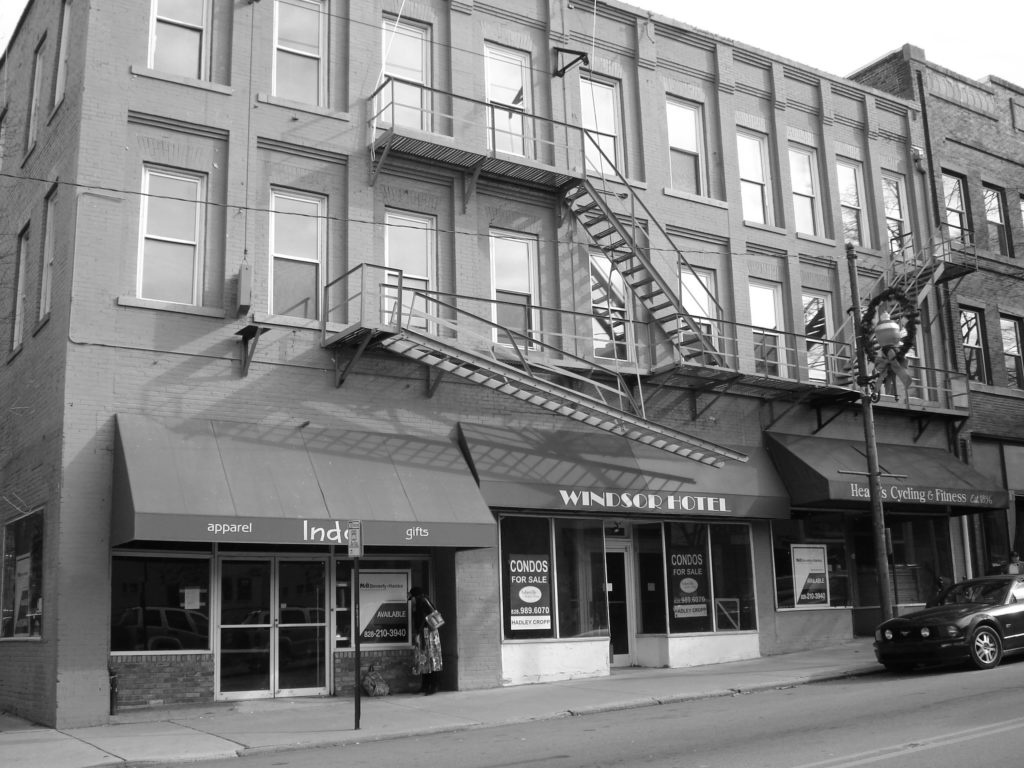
x=978, y=620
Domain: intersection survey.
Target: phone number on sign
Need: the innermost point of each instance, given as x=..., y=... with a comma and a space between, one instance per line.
x=532, y=609
x=384, y=634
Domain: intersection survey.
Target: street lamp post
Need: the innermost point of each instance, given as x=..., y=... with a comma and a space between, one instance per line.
x=874, y=473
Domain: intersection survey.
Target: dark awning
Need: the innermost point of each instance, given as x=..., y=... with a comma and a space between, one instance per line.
x=599, y=472
x=232, y=482
x=822, y=471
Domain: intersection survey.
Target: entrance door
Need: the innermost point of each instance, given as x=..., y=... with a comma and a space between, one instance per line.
x=273, y=628
x=619, y=575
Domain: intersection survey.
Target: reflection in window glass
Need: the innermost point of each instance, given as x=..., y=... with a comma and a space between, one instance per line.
x=955, y=205
x=608, y=308
x=406, y=57
x=803, y=167
x=580, y=578
x=850, y=185
x=21, y=577
x=816, y=335
x=513, y=264
x=753, y=177
x=972, y=337
x=1010, y=328
x=769, y=354
x=732, y=577
x=409, y=246
x=650, y=559
x=159, y=604
x=508, y=93
x=895, y=219
x=995, y=215
x=600, y=118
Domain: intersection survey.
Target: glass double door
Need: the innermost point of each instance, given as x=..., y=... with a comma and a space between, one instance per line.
x=273, y=628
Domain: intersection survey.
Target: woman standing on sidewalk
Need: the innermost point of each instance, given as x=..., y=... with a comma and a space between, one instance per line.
x=426, y=642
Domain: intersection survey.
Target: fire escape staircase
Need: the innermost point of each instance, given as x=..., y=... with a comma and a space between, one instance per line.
x=421, y=327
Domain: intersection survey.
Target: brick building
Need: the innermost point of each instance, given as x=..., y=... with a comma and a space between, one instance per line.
x=552, y=304
x=975, y=156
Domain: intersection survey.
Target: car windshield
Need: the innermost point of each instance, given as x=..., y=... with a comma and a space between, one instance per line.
x=989, y=592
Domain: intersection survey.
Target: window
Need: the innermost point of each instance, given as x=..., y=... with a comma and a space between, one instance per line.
x=61, y=78
x=409, y=246
x=297, y=246
x=159, y=603
x=995, y=215
x=508, y=94
x=407, y=57
x=851, y=187
x=755, y=177
x=803, y=164
x=600, y=115
x=21, y=594
x=513, y=275
x=300, y=29
x=697, y=292
x=817, y=315
x=46, y=278
x=558, y=567
x=410, y=572
x=686, y=147
x=955, y=207
x=766, y=317
x=608, y=308
x=894, y=201
x=3, y=138
x=20, y=289
x=171, y=254
x=1010, y=328
x=177, y=43
x=34, y=97
x=972, y=335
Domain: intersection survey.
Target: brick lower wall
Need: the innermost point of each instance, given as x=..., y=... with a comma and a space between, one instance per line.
x=395, y=664
x=152, y=680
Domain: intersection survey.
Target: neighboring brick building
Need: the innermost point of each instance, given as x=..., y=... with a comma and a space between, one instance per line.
x=975, y=161
x=558, y=318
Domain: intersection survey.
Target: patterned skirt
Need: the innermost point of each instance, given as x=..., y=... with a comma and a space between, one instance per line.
x=430, y=642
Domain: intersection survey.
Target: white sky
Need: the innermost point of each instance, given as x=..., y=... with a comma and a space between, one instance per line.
x=834, y=37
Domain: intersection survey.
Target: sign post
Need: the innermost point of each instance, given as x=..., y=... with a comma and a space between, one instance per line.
x=354, y=535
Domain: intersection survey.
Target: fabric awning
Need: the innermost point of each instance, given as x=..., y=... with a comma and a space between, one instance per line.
x=822, y=471
x=598, y=472
x=232, y=482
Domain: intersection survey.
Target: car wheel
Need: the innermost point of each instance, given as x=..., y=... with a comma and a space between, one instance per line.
x=986, y=648
x=890, y=667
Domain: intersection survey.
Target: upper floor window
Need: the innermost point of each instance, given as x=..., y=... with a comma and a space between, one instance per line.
x=769, y=328
x=46, y=278
x=972, y=336
x=409, y=245
x=407, y=57
x=300, y=42
x=178, y=37
x=601, y=118
x=686, y=147
x=20, y=290
x=514, y=278
x=817, y=311
x=298, y=244
x=803, y=165
x=21, y=577
x=34, y=99
x=894, y=197
x=1010, y=329
x=851, y=202
x=61, y=78
x=995, y=215
x=171, y=252
x=508, y=94
x=755, y=177
x=955, y=203
x=609, y=309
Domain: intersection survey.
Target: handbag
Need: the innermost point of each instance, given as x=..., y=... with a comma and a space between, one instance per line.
x=374, y=683
x=434, y=619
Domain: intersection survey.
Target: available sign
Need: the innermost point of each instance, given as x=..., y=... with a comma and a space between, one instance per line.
x=810, y=575
x=383, y=607
x=529, y=592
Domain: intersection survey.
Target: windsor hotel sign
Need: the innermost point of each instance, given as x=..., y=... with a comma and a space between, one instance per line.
x=644, y=501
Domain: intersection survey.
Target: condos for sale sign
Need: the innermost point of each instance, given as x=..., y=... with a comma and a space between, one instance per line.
x=529, y=592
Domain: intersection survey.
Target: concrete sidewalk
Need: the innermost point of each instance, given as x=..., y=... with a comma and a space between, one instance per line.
x=229, y=729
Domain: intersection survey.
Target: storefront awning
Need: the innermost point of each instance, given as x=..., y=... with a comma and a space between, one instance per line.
x=597, y=472
x=231, y=482
x=829, y=472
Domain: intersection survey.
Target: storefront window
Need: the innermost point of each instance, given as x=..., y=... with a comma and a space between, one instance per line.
x=526, y=577
x=383, y=607
x=159, y=603
x=732, y=577
x=580, y=576
x=921, y=556
x=689, y=585
x=651, y=571
x=21, y=600
x=798, y=564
